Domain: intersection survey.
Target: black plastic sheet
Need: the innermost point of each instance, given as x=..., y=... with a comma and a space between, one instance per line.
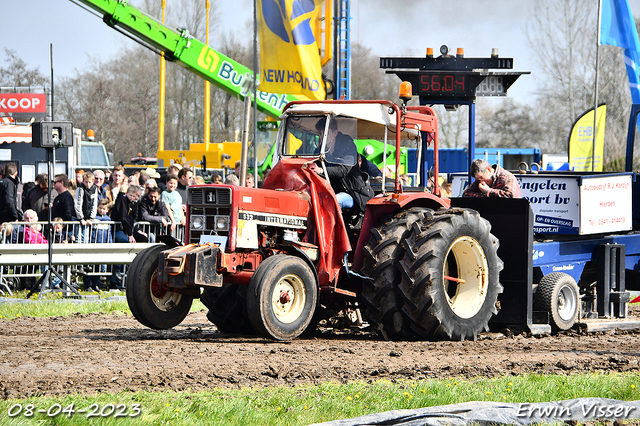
x=497, y=413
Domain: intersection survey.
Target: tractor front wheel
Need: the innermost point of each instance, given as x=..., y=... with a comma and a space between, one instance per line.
x=151, y=304
x=282, y=297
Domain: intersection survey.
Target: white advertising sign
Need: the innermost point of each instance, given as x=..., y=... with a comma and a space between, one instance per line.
x=555, y=202
x=605, y=203
x=572, y=204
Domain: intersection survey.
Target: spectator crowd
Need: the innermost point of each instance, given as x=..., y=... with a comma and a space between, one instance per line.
x=103, y=195
x=92, y=196
x=102, y=206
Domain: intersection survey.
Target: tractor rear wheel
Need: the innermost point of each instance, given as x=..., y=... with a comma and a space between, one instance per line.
x=282, y=297
x=559, y=295
x=450, y=276
x=228, y=308
x=379, y=296
x=151, y=304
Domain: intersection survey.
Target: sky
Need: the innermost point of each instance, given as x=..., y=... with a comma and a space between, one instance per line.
x=388, y=27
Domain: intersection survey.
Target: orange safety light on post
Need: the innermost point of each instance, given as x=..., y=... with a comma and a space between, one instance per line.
x=406, y=91
x=90, y=135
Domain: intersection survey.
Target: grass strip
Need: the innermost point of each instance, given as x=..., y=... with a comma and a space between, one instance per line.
x=55, y=305
x=301, y=405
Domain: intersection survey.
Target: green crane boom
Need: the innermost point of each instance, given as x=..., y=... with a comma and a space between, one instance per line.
x=187, y=51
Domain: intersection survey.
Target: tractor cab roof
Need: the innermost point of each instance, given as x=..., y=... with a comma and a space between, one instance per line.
x=372, y=118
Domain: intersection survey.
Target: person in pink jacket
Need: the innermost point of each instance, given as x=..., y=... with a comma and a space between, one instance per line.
x=32, y=234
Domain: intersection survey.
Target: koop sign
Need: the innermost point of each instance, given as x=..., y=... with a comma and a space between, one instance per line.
x=32, y=104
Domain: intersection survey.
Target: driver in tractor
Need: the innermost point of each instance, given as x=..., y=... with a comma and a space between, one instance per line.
x=352, y=191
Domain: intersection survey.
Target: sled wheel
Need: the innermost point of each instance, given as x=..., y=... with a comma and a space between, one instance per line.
x=450, y=276
x=228, y=308
x=379, y=296
x=150, y=304
x=559, y=295
x=282, y=297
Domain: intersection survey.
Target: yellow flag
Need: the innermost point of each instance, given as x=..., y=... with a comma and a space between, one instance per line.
x=289, y=56
x=581, y=141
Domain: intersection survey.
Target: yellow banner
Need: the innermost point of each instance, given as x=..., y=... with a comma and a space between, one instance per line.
x=581, y=141
x=289, y=56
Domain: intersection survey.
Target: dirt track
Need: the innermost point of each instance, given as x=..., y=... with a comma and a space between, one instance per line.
x=110, y=353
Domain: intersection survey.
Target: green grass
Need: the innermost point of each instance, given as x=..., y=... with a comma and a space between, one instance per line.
x=318, y=403
x=54, y=305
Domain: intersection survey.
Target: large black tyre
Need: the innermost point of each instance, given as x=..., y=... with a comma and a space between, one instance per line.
x=282, y=297
x=379, y=299
x=149, y=303
x=134, y=271
x=228, y=308
x=450, y=276
x=559, y=295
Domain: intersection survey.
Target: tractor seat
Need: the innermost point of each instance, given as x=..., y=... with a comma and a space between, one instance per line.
x=353, y=217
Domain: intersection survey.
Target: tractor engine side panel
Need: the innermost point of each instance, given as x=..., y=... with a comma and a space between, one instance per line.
x=245, y=218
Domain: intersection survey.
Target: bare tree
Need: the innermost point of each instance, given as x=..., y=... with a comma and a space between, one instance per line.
x=118, y=99
x=453, y=127
x=564, y=43
x=368, y=81
x=511, y=125
x=184, y=109
x=563, y=36
x=226, y=109
x=17, y=74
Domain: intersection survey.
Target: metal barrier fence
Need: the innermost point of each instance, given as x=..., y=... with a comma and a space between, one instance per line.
x=24, y=251
x=148, y=228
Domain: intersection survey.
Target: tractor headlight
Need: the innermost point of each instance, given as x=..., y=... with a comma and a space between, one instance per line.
x=221, y=223
x=197, y=223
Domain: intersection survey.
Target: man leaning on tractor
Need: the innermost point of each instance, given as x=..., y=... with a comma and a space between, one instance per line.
x=492, y=182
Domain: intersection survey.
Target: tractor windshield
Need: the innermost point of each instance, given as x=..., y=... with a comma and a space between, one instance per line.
x=301, y=137
x=314, y=136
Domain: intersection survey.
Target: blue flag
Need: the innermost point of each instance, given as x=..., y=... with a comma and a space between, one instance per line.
x=618, y=28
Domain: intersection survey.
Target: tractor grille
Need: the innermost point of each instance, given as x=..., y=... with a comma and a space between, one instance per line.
x=210, y=196
x=196, y=196
x=206, y=204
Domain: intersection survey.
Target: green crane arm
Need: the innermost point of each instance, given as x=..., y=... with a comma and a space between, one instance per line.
x=187, y=51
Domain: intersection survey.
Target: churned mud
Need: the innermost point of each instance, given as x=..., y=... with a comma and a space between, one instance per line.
x=96, y=353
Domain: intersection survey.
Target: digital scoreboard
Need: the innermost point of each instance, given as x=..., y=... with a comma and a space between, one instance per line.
x=458, y=85
x=450, y=78
x=445, y=84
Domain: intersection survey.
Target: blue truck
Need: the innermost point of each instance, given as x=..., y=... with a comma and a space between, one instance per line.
x=456, y=160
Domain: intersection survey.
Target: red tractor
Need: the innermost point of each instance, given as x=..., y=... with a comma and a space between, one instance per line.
x=273, y=260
